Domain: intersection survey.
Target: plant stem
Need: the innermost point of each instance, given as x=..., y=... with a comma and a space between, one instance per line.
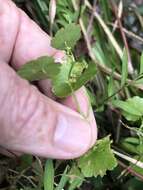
x=130, y=67
x=130, y=170
x=102, y=67
x=129, y=159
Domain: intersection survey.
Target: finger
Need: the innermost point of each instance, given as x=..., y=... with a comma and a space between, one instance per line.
x=15, y=24
x=8, y=153
x=84, y=106
x=31, y=43
x=33, y=123
x=9, y=24
x=14, y=20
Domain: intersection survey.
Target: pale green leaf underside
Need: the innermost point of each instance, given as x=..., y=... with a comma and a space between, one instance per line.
x=98, y=160
x=66, y=37
x=41, y=68
x=60, y=84
x=66, y=77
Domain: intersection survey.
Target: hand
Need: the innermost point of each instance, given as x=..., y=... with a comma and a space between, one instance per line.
x=30, y=121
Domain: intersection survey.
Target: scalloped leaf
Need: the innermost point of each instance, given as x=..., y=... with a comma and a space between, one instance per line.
x=98, y=160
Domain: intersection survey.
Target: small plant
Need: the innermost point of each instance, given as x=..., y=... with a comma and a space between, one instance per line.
x=67, y=77
x=103, y=45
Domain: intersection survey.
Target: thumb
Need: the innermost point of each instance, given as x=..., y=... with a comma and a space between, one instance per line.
x=32, y=123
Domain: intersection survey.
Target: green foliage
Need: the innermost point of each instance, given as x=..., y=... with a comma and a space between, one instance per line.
x=41, y=68
x=49, y=175
x=132, y=108
x=112, y=79
x=124, y=67
x=135, y=167
x=141, y=64
x=111, y=88
x=76, y=177
x=98, y=160
x=65, y=12
x=71, y=77
x=100, y=55
x=66, y=37
x=133, y=184
x=66, y=77
x=132, y=145
x=64, y=179
x=61, y=85
x=105, y=9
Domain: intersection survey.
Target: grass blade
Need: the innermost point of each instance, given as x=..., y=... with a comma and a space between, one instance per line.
x=141, y=64
x=124, y=68
x=109, y=34
x=49, y=175
x=106, y=10
x=63, y=180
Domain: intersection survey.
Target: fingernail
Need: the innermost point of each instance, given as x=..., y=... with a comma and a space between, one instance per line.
x=72, y=135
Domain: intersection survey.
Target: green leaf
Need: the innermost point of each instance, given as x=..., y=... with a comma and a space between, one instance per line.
x=87, y=75
x=77, y=70
x=41, y=68
x=99, y=53
x=76, y=177
x=141, y=64
x=124, y=67
x=49, y=175
x=106, y=10
x=61, y=85
x=132, y=108
x=66, y=77
x=111, y=87
x=131, y=140
x=130, y=144
x=64, y=179
x=98, y=160
x=72, y=77
x=66, y=37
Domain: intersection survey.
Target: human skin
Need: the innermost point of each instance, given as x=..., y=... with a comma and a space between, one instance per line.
x=30, y=121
